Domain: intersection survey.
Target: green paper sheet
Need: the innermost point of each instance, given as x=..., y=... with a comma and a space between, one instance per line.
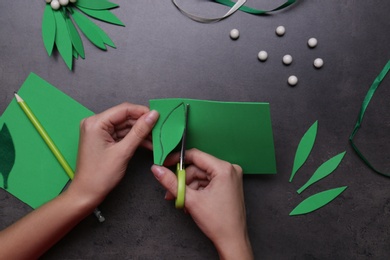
x=238, y=132
x=37, y=177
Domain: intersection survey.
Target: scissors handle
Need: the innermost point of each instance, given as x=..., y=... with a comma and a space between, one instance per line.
x=181, y=187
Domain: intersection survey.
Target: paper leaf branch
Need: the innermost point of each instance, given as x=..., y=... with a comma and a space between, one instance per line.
x=304, y=148
x=317, y=201
x=7, y=154
x=58, y=29
x=324, y=170
x=172, y=131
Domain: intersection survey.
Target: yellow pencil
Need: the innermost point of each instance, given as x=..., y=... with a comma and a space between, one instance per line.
x=53, y=148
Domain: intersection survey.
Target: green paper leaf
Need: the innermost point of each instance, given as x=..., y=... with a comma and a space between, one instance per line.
x=324, y=170
x=75, y=38
x=75, y=54
x=48, y=29
x=96, y=4
x=317, y=201
x=256, y=11
x=63, y=42
x=304, y=148
x=7, y=154
x=171, y=131
x=90, y=30
x=103, y=15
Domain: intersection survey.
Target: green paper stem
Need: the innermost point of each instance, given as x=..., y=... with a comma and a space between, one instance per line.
x=324, y=170
x=63, y=42
x=48, y=29
x=304, y=148
x=256, y=11
x=7, y=154
x=317, y=201
x=171, y=131
x=378, y=80
x=90, y=30
x=75, y=39
x=96, y=4
x=103, y=15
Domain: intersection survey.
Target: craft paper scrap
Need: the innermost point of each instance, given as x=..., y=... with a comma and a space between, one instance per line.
x=36, y=176
x=7, y=154
x=238, y=132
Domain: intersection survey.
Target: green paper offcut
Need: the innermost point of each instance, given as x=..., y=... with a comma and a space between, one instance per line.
x=75, y=39
x=304, y=148
x=48, y=29
x=238, y=132
x=63, y=42
x=317, y=201
x=324, y=170
x=89, y=29
x=37, y=177
x=95, y=4
x=7, y=154
x=256, y=11
x=103, y=15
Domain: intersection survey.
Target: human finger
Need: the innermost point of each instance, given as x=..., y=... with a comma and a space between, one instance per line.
x=198, y=184
x=193, y=173
x=120, y=113
x=166, y=178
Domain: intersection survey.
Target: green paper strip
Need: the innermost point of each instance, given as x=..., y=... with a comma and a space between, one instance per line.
x=96, y=4
x=75, y=54
x=317, y=201
x=256, y=11
x=324, y=170
x=103, y=15
x=7, y=154
x=365, y=104
x=48, y=29
x=304, y=148
x=171, y=131
x=90, y=30
x=75, y=38
x=63, y=42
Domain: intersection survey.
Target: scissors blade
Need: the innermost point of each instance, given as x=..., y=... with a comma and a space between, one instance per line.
x=184, y=138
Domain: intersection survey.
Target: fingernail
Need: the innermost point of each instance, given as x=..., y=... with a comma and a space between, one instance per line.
x=157, y=171
x=152, y=117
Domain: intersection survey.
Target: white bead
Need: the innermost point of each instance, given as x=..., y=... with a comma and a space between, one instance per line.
x=280, y=30
x=48, y=1
x=73, y=1
x=262, y=55
x=312, y=42
x=234, y=34
x=292, y=80
x=55, y=5
x=318, y=63
x=287, y=59
x=64, y=2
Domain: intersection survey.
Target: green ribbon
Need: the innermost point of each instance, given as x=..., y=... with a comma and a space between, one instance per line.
x=255, y=11
x=366, y=101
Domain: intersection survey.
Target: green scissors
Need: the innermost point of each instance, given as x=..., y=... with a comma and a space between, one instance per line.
x=180, y=170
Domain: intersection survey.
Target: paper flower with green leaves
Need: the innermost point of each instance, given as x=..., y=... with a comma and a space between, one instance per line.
x=59, y=22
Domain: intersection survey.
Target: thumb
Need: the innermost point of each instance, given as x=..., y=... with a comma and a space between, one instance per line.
x=166, y=178
x=140, y=131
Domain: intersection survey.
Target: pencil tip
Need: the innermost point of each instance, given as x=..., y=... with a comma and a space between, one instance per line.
x=18, y=98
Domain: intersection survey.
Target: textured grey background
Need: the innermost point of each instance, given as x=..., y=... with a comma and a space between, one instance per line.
x=161, y=53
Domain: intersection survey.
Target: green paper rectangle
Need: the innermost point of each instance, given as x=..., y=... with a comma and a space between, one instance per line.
x=238, y=132
x=37, y=177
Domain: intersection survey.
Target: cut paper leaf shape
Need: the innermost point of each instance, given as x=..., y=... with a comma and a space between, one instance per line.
x=256, y=11
x=58, y=29
x=324, y=170
x=171, y=131
x=304, y=148
x=317, y=201
x=7, y=154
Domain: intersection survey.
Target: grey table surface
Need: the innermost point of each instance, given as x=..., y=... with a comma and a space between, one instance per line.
x=161, y=53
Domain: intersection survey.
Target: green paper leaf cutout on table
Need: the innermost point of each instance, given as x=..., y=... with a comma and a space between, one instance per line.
x=59, y=30
x=237, y=132
x=48, y=29
x=7, y=154
x=324, y=170
x=171, y=131
x=63, y=42
x=96, y=4
x=317, y=201
x=304, y=148
x=256, y=11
